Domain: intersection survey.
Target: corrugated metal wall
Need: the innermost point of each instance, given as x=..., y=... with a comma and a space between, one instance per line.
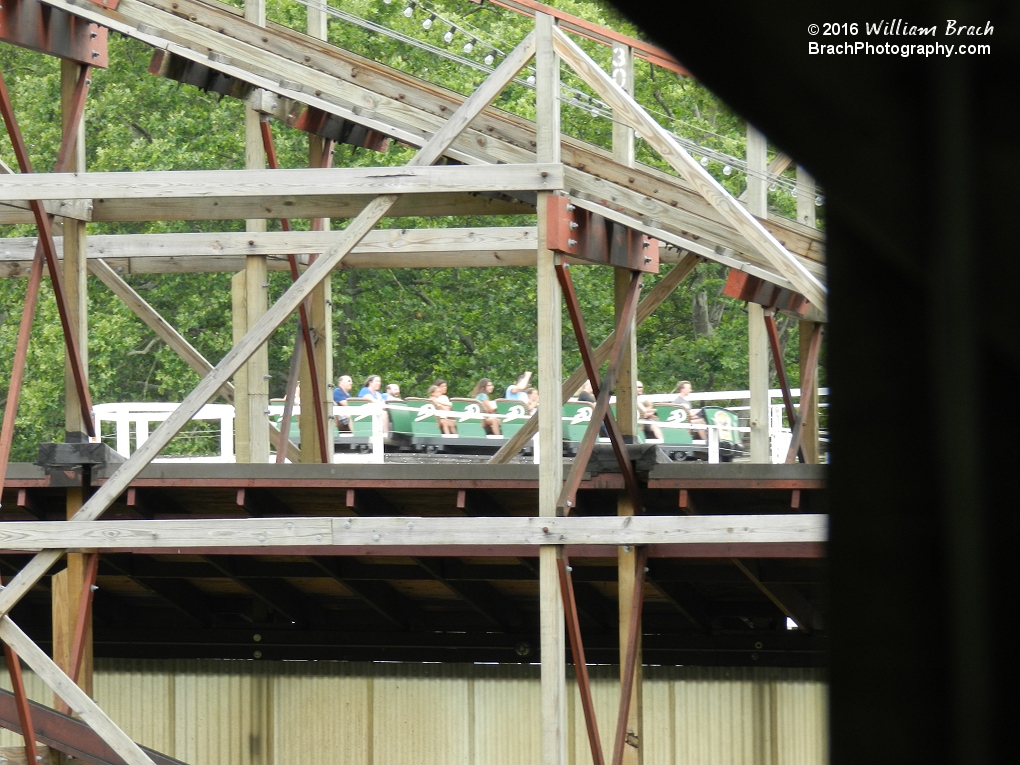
x=335, y=713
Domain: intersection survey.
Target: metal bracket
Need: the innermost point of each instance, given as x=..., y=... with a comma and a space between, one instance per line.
x=587, y=236
x=49, y=30
x=751, y=289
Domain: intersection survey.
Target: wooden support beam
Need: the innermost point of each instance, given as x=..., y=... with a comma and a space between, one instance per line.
x=627, y=109
x=226, y=251
x=808, y=382
x=808, y=396
x=296, y=532
x=278, y=185
x=550, y=430
x=257, y=335
x=630, y=642
x=656, y=297
x=758, y=382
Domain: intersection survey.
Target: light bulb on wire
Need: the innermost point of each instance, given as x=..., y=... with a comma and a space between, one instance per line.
x=469, y=45
x=489, y=59
x=704, y=161
x=409, y=11
x=531, y=79
x=448, y=37
x=727, y=170
x=427, y=24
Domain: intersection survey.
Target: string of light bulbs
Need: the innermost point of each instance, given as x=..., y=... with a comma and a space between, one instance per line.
x=569, y=95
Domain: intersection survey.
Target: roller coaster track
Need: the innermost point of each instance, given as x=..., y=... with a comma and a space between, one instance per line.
x=285, y=66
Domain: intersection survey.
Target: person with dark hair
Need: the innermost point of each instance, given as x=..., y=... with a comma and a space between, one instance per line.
x=683, y=389
x=370, y=390
x=482, y=392
x=442, y=403
x=532, y=400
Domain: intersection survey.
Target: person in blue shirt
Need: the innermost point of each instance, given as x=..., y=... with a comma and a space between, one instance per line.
x=392, y=392
x=520, y=390
x=341, y=393
x=370, y=390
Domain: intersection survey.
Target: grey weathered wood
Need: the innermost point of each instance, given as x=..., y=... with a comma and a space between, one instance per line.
x=270, y=321
x=550, y=431
x=267, y=184
x=757, y=338
x=665, y=287
x=75, y=697
x=399, y=531
x=627, y=109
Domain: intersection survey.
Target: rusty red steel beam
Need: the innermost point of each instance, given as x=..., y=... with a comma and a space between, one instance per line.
x=777, y=358
x=808, y=382
x=68, y=141
x=580, y=665
x=588, y=357
x=68, y=735
x=305, y=326
x=584, y=450
x=84, y=615
x=23, y=706
x=630, y=658
x=44, y=225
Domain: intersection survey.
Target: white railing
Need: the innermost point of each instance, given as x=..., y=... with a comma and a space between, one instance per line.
x=136, y=417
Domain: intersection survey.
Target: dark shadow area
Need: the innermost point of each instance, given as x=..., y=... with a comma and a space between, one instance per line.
x=917, y=156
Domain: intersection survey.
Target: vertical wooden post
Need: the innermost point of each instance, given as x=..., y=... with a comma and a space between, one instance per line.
x=249, y=291
x=809, y=399
x=757, y=337
x=626, y=416
x=623, y=152
x=550, y=428
x=320, y=311
x=68, y=583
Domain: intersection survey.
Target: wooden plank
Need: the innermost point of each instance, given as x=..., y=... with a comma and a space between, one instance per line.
x=75, y=697
x=757, y=335
x=629, y=110
x=287, y=304
x=275, y=184
x=665, y=287
x=393, y=532
x=552, y=637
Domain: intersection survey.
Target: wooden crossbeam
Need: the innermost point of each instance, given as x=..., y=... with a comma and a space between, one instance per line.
x=400, y=531
x=627, y=109
x=415, y=108
x=271, y=320
x=268, y=184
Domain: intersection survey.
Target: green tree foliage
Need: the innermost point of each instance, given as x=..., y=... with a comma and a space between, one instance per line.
x=410, y=326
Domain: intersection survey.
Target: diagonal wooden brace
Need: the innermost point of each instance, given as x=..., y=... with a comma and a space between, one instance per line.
x=584, y=450
x=587, y=357
x=355, y=231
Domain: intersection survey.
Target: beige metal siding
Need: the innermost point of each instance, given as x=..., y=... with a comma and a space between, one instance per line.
x=336, y=713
